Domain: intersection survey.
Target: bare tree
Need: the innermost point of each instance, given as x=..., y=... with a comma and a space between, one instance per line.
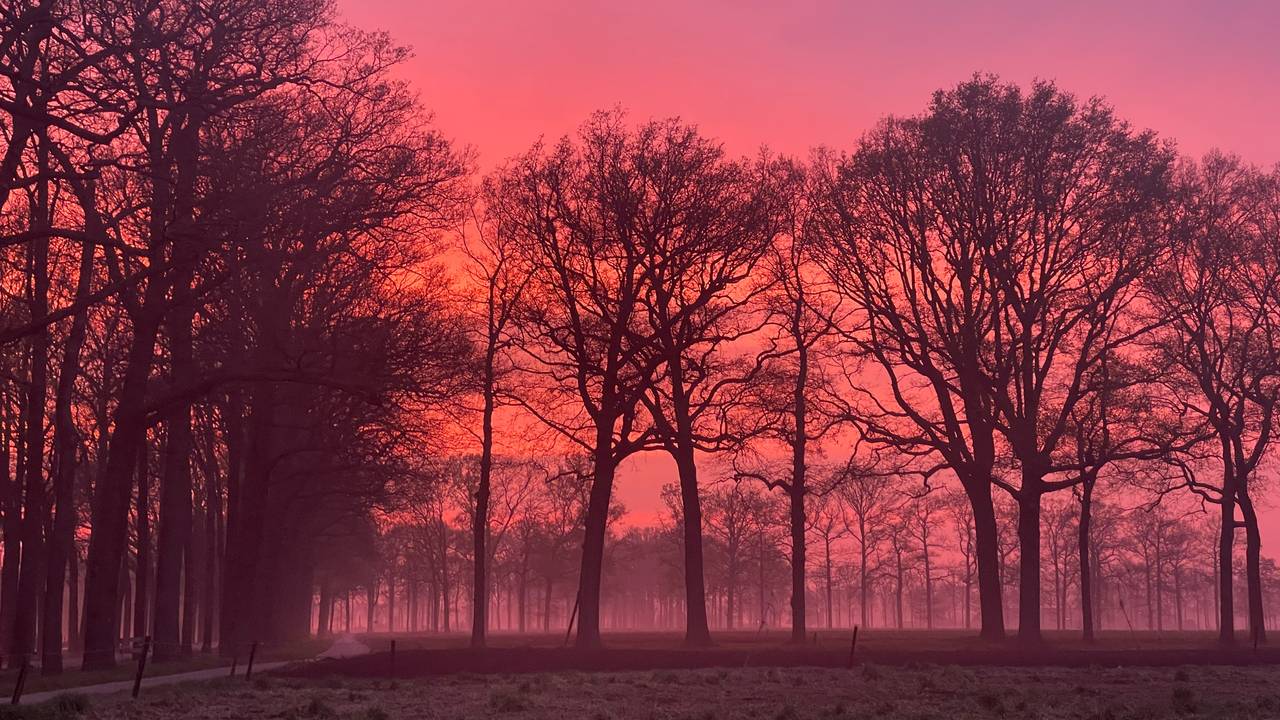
x=602, y=226
x=1045, y=212
x=494, y=270
x=788, y=403
x=869, y=500
x=708, y=226
x=1219, y=296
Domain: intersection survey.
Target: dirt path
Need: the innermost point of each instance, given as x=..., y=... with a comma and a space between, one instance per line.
x=127, y=685
x=343, y=646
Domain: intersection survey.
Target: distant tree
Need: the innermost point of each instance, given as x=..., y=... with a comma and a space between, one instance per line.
x=734, y=516
x=923, y=513
x=826, y=524
x=957, y=507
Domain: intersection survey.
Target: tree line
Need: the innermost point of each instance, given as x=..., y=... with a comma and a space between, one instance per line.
x=262, y=324
x=884, y=556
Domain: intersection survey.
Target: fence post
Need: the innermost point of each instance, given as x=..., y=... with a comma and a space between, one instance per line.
x=253, y=650
x=572, y=616
x=22, y=680
x=142, y=665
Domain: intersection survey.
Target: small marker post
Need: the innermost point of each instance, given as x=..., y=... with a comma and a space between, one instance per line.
x=393, y=658
x=142, y=666
x=853, y=646
x=572, y=616
x=22, y=680
x=253, y=650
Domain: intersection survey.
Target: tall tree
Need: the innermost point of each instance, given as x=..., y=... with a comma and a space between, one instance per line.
x=579, y=213
x=179, y=64
x=705, y=225
x=1220, y=295
x=788, y=403
x=494, y=270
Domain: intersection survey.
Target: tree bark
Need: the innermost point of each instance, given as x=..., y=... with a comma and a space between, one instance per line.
x=142, y=566
x=1086, y=569
x=986, y=539
x=480, y=525
x=31, y=573
x=62, y=539
x=175, y=487
x=1029, y=561
x=1253, y=567
x=597, y=519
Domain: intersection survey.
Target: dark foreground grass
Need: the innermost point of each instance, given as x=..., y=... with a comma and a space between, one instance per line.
x=426, y=655
x=867, y=691
x=835, y=638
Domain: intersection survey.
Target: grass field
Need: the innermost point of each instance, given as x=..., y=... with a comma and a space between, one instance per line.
x=418, y=656
x=868, y=691
x=896, y=675
x=871, y=639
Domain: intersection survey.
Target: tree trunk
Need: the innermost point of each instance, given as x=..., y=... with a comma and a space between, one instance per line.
x=697, y=630
x=522, y=591
x=213, y=513
x=864, y=578
x=480, y=526
x=597, y=519
x=1226, y=539
x=243, y=605
x=12, y=508
x=1253, y=567
x=1029, y=560
x=31, y=573
x=831, y=610
x=142, y=566
x=192, y=581
x=74, y=636
x=928, y=582
x=1086, y=571
x=986, y=539
x=107, y=543
x=798, y=489
x=546, y=606
x=175, y=487
x=798, y=561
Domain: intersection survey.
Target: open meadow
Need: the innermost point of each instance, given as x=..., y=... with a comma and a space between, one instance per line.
x=893, y=674
x=867, y=691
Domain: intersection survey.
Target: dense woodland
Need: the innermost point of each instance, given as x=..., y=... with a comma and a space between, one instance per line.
x=277, y=359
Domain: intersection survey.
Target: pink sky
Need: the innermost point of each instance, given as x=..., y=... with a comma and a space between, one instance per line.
x=500, y=73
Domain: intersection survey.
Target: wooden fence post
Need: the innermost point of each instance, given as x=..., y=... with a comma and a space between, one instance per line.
x=142, y=665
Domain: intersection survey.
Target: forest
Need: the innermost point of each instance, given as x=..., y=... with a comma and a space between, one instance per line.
x=277, y=359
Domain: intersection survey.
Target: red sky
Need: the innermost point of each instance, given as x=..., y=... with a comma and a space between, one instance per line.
x=501, y=73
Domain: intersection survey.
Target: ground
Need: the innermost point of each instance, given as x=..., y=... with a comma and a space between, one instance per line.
x=868, y=691
x=1243, y=685
x=73, y=677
